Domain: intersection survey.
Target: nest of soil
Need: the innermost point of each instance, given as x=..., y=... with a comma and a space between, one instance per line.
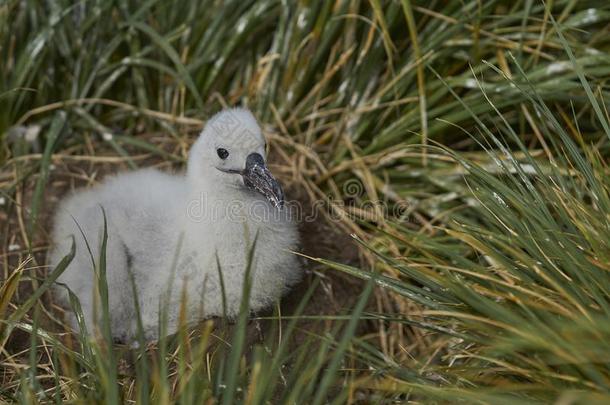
x=335, y=293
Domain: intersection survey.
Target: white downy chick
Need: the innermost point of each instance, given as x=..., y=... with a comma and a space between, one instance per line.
x=171, y=232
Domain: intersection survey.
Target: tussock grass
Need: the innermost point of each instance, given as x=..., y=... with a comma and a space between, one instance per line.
x=463, y=144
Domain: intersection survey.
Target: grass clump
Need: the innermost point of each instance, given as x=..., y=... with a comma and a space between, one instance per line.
x=463, y=144
x=516, y=279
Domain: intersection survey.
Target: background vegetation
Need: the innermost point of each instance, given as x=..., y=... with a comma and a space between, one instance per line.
x=463, y=144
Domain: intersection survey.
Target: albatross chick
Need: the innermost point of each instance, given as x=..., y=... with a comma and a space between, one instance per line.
x=177, y=235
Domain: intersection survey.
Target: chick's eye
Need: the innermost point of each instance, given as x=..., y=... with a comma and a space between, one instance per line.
x=222, y=153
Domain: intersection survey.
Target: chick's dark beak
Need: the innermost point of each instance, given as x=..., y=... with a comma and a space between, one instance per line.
x=257, y=177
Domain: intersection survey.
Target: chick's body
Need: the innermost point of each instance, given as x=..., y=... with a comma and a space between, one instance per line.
x=176, y=236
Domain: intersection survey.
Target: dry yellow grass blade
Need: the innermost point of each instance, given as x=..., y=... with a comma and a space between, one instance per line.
x=8, y=288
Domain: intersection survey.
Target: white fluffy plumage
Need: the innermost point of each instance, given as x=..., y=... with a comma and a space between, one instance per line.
x=172, y=230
